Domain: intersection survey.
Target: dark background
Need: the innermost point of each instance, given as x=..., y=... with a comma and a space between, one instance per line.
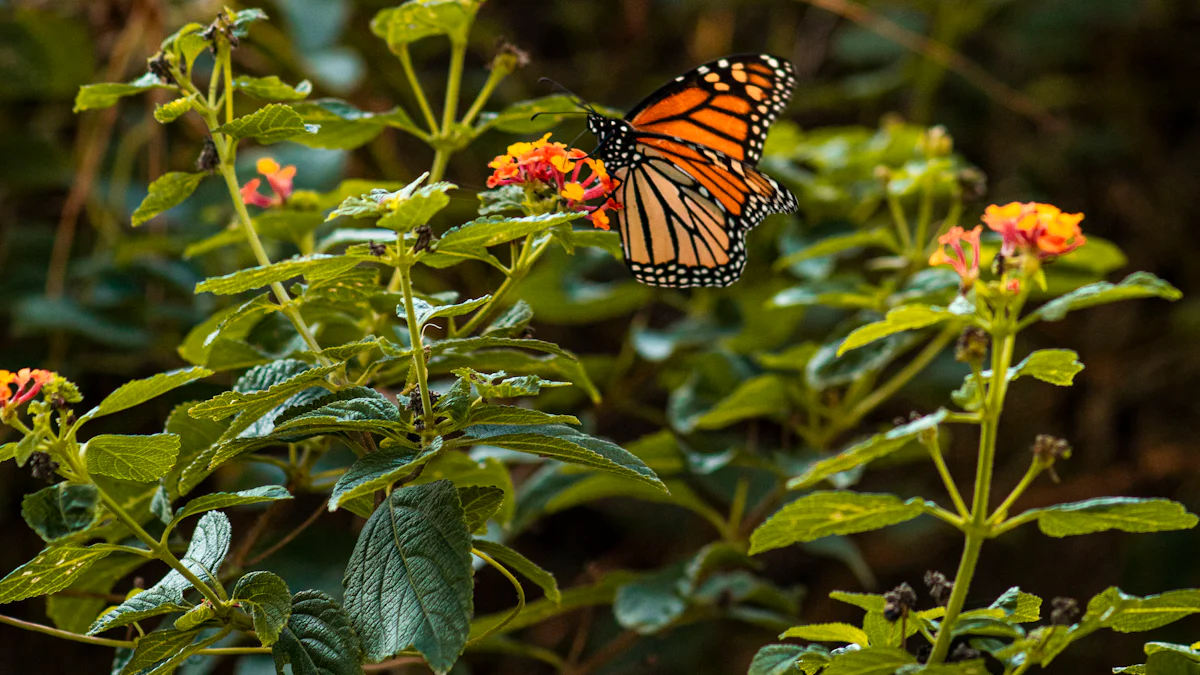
x=1106, y=123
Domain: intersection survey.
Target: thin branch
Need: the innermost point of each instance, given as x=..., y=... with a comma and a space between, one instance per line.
x=64, y=634
x=290, y=535
x=949, y=58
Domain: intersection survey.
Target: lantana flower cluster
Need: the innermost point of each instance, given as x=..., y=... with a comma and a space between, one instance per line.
x=543, y=163
x=279, y=178
x=1040, y=231
x=28, y=383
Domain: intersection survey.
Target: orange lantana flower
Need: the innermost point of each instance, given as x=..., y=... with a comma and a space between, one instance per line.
x=279, y=178
x=28, y=382
x=543, y=163
x=969, y=272
x=1040, y=229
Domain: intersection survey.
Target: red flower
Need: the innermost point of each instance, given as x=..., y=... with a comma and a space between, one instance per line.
x=279, y=178
x=969, y=272
x=1040, y=229
x=542, y=163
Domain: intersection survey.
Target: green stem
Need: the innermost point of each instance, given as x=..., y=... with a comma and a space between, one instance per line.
x=458, y=53
x=161, y=551
x=935, y=451
x=516, y=586
x=414, y=335
x=66, y=635
x=494, y=78
x=224, y=55
x=924, y=219
x=520, y=267
x=418, y=92
x=901, y=222
x=978, y=528
x=1001, y=512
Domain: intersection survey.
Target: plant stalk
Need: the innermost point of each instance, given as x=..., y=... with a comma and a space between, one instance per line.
x=414, y=334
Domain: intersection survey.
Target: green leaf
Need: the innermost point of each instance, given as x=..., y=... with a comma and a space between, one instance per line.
x=137, y=392
x=271, y=88
x=106, y=94
x=828, y=632
x=599, y=593
x=269, y=601
x=169, y=112
x=518, y=118
x=137, y=458
x=480, y=503
x=859, y=454
x=820, y=514
x=313, y=267
x=377, y=470
x=1056, y=366
x=903, y=318
x=515, y=387
x=411, y=207
x=221, y=500
x=652, y=601
x=761, y=396
x=55, y=568
x=784, y=659
x=259, y=391
x=210, y=543
x=512, y=322
x=876, y=238
x=167, y=191
x=155, y=649
x=196, y=437
x=195, y=617
x=1171, y=663
x=464, y=472
x=345, y=127
x=425, y=312
x=408, y=582
x=481, y=233
x=412, y=21
x=269, y=124
x=1128, y=514
x=870, y=661
x=318, y=638
x=1136, y=285
x=1126, y=613
x=511, y=414
x=61, y=510
x=1020, y=607
x=75, y=613
x=565, y=444
x=523, y=566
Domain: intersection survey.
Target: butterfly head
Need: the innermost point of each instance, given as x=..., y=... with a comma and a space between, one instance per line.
x=612, y=135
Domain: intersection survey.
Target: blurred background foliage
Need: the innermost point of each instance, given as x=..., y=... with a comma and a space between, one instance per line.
x=1088, y=104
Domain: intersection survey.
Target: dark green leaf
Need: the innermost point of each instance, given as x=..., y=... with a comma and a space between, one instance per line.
x=167, y=191
x=136, y=458
x=523, y=566
x=509, y=414
x=269, y=124
x=492, y=230
x=1136, y=285
x=783, y=659
x=60, y=510
x=344, y=127
x=408, y=582
x=480, y=503
x=412, y=21
x=565, y=444
x=154, y=650
x=820, y=514
x=859, y=454
x=318, y=639
x=378, y=470
x=761, y=396
x=269, y=602
x=512, y=322
x=55, y=568
x=106, y=95
x=75, y=613
x=652, y=602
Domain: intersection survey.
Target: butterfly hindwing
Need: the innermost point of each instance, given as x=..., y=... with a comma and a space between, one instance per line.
x=727, y=105
x=686, y=212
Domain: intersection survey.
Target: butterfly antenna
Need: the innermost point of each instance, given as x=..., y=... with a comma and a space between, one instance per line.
x=575, y=97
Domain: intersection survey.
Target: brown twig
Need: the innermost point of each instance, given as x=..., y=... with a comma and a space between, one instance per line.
x=238, y=560
x=949, y=58
x=394, y=663
x=321, y=508
x=607, y=653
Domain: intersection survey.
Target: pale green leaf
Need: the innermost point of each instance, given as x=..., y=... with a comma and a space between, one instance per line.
x=154, y=650
x=271, y=88
x=859, y=454
x=870, y=661
x=761, y=396
x=492, y=230
x=900, y=319
x=167, y=191
x=169, y=112
x=1128, y=514
x=221, y=500
x=828, y=632
x=1056, y=366
x=106, y=94
x=313, y=267
x=139, y=391
x=136, y=458
x=55, y=568
x=820, y=514
x=269, y=124
x=1136, y=285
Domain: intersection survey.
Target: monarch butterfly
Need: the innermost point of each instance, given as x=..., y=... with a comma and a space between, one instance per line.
x=685, y=161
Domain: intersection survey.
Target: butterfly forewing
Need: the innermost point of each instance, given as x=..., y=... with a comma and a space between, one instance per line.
x=727, y=105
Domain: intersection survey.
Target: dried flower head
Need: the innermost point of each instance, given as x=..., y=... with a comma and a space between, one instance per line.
x=899, y=602
x=1065, y=611
x=940, y=587
x=542, y=164
x=972, y=346
x=1042, y=230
